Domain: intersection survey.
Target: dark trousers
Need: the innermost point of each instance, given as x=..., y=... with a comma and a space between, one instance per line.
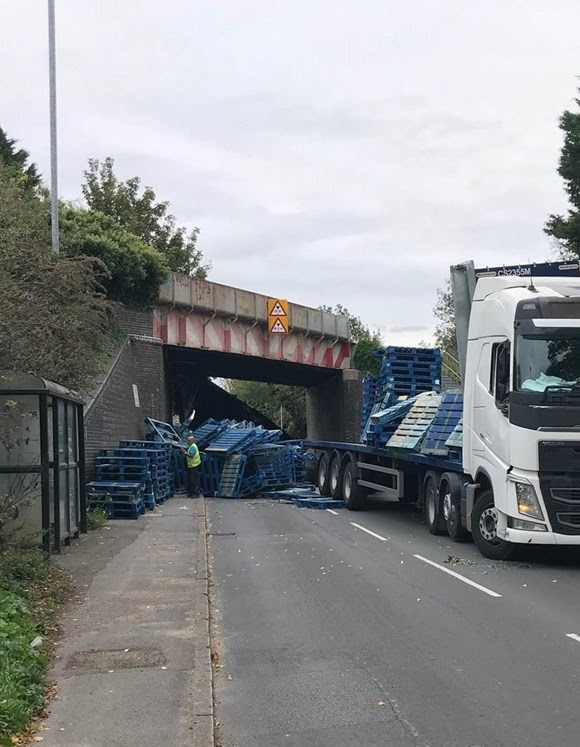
x=193, y=481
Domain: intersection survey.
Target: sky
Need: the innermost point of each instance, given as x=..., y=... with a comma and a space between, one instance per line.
x=330, y=151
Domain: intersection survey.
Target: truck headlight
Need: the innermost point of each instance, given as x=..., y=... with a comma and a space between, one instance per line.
x=528, y=503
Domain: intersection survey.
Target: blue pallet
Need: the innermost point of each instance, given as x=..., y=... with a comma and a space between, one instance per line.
x=444, y=423
x=231, y=478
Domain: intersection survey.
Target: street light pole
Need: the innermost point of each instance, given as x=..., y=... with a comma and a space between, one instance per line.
x=53, y=137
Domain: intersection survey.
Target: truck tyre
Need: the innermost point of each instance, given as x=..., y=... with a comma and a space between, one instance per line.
x=484, y=529
x=450, y=490
x=432, y=508
x=353, y=494
x=323, y=475
x=336, y=475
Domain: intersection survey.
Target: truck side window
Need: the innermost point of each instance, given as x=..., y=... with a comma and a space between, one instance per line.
x=501, y=372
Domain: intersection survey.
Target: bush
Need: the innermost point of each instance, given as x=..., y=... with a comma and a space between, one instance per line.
x=135, y=269
x=22, y=685
x=54, y=319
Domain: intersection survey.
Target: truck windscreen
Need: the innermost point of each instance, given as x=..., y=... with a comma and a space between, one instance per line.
x=551, y=360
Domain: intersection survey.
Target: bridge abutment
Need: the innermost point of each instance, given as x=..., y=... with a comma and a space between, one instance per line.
x=333, y=408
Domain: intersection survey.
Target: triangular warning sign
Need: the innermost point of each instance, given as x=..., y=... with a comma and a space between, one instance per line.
x=278, y=327
x=277, y=310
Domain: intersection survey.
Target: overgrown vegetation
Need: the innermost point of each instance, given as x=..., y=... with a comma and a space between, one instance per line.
x=31, y=591
x=97, y=518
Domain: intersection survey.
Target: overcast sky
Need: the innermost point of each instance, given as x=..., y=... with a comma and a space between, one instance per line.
x=331, y=151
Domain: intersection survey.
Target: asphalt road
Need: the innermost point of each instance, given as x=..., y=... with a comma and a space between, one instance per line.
x=333, y=636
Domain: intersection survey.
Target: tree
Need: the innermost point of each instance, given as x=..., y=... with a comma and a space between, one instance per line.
x=566, y=229
x=141, y=214
x=135, y=269
x=364, y=340
x=54, y=320
x=445, y=337
x=16, y=163
x=269, y=398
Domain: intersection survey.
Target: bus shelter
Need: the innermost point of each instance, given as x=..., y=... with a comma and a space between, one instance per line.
x=42, y=465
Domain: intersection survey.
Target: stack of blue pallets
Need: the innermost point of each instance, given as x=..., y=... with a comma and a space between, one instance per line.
x=444, y=423
x=135, y=476
x=159, y=456
x=369, y=392
x=120, y=499
x=404, y=373
x=409, y=371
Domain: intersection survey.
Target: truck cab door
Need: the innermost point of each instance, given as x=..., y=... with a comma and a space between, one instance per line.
x=490, y=436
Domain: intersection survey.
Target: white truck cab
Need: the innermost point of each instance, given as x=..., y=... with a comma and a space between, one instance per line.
x=519, y=347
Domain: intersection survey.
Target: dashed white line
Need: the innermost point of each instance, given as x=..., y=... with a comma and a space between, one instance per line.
x=368, y=531
x=330, y=511
x=573, y=636
x=459, y=577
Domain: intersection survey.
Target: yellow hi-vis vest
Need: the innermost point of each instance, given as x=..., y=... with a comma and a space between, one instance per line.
x=193, y=456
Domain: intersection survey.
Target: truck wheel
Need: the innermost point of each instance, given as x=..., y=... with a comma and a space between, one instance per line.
x=450, y=494
x=323, y=475
x=353, y=494
x=336, y=474
x=484, y=529
x=432, y=505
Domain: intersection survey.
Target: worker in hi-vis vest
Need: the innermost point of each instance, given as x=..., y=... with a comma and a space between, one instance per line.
x=191, y=451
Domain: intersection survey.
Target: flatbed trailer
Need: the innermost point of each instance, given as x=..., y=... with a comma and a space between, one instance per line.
x=349, y=472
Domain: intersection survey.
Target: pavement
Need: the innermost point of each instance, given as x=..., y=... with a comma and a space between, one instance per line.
x=339, y=629
x=133, y=666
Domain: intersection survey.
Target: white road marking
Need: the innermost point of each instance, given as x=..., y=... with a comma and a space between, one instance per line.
x=573, y=636
x=330, y=511
x=368, y=531
x=459, y=577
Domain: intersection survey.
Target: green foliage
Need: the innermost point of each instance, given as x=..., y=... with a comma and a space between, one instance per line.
x=30, y=593
x=135, y=269
x=97, y=518
x=22, y=684
x=54, y=319
x=141, y=214
x=269, y=398
x=16, y=162
x=364, y=340
x=566, y=229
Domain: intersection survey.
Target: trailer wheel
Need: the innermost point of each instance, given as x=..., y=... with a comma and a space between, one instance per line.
x=450, y=490
x=336, y=475
x=484, y=529
x=353, y=494
x=323, y=474
x=432, y=508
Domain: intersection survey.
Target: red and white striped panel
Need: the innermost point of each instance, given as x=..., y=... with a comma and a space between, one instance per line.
x=223, y=335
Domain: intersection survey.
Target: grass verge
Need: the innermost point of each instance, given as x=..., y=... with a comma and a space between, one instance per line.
x=31, y=592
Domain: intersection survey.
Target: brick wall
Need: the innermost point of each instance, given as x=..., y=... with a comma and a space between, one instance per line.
x=134, y=321
x=113, y=414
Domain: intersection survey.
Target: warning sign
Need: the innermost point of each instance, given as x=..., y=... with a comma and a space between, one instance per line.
x=276, y=326
x=278, y=316
x=277, y=307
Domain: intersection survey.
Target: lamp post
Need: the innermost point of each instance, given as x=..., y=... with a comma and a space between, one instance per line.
x=53, y=137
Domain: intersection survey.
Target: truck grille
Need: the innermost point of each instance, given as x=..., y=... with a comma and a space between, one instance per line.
x=559, y=463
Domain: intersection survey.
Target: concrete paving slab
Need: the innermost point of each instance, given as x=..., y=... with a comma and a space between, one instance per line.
x=133, y=666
